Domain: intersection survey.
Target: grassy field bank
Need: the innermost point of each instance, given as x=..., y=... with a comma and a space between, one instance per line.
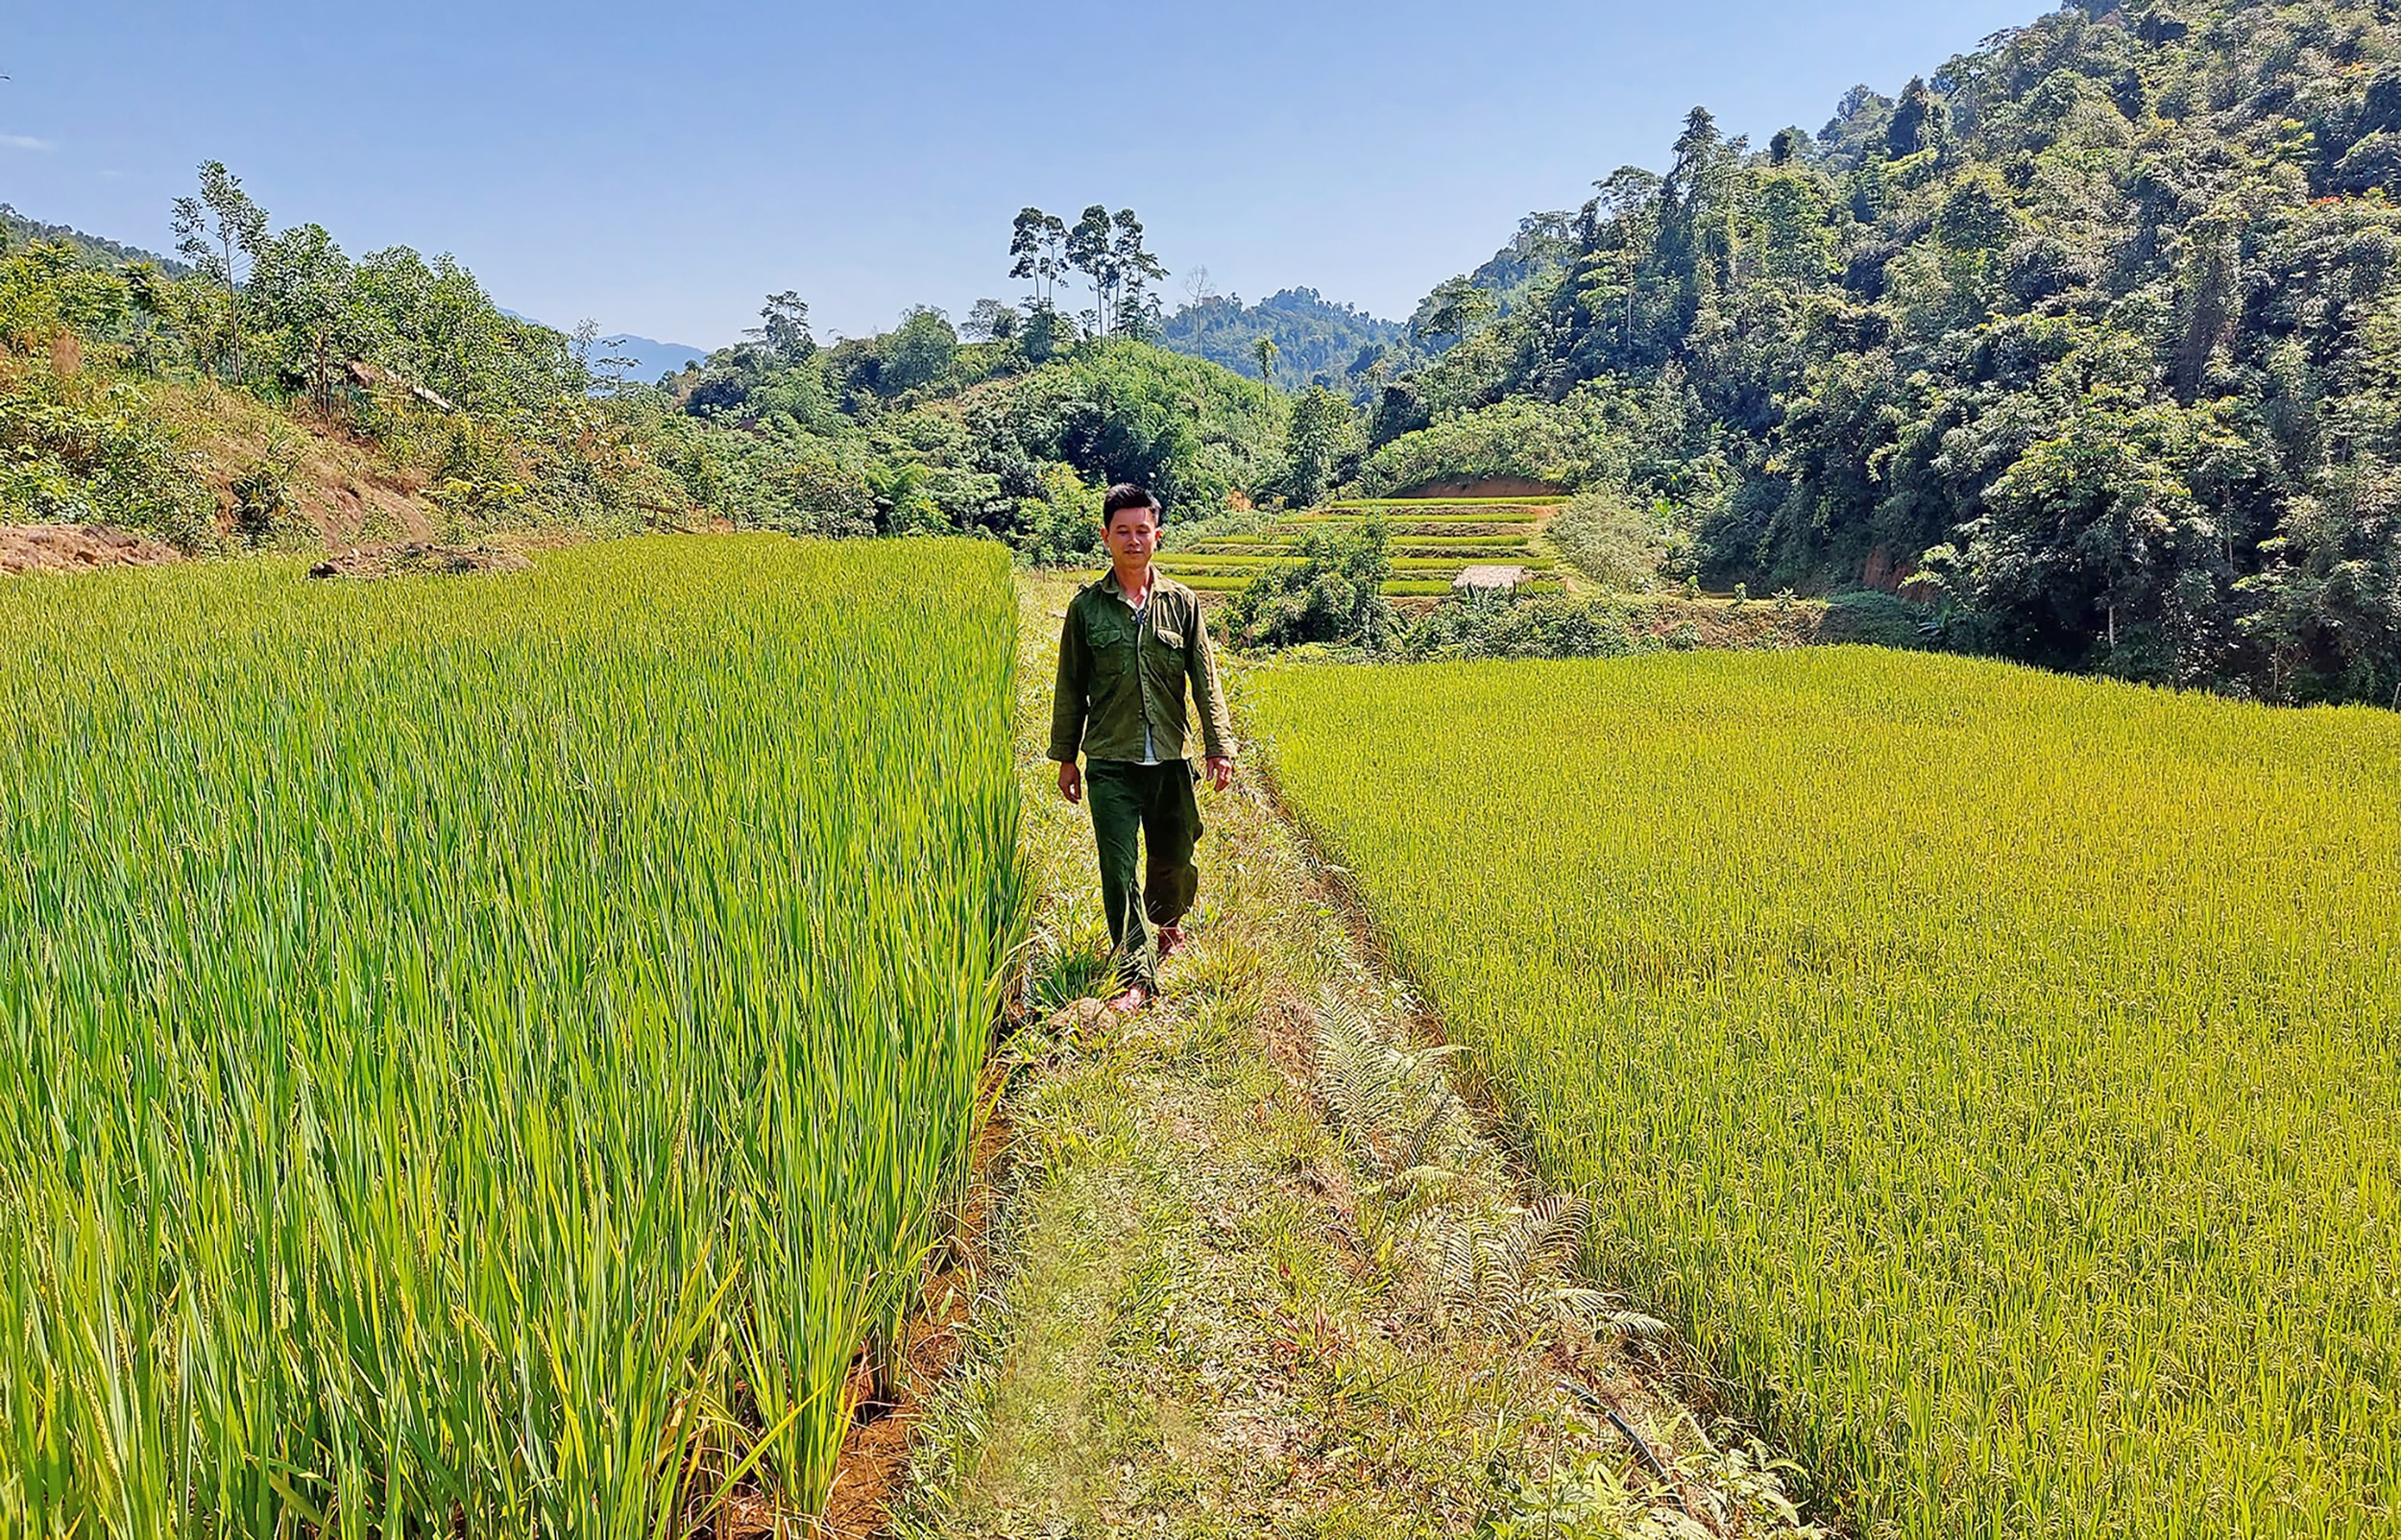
x=482, y=1054
x=1995, y=1073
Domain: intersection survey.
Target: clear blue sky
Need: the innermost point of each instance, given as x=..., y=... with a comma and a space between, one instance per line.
x=659, y=167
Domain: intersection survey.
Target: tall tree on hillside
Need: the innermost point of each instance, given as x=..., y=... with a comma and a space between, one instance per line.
x=1136, y=309
x=1038, y=244
x=918, y=351
x=221, y=233
x=1794, y=235
x=1619, y=234
x=1264, y=351
x=1109, y=250
x=1091, y=252
x=1456, y=308
x=1696, y=235
x=991, y=321
x=301, y=290
x=1322, y=446
x=784, y=327
x=1916, y=122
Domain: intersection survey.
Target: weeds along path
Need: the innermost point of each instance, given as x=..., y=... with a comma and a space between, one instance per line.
x=1252, y=1269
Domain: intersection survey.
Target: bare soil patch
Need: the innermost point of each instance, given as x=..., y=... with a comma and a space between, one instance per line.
x=875, y=1455
x=76, y=548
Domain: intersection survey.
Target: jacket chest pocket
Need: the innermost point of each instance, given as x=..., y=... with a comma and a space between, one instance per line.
x=1163, y=659
x=1116, y=645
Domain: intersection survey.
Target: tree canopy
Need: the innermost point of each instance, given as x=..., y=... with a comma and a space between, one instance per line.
x=1317, y=341
x=2088, y=334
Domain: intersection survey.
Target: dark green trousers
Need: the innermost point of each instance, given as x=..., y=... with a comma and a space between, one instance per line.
x=1156, y=803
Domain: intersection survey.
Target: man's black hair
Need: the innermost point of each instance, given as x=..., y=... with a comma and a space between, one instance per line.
x=1124, y=496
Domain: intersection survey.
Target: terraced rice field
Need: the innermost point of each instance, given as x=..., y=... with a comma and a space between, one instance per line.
x=1996, y=1075
x=482, y=1055
x=1432, y=542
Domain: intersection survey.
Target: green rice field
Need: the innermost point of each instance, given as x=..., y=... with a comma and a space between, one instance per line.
x=1997, y=1077
x=1250, y=563
x=1431, y=516
x=1403, y=586
x=1432, y=542
x=1344, y=504
x=484, y=1056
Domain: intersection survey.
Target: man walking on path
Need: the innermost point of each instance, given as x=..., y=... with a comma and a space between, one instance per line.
x=1131, y=642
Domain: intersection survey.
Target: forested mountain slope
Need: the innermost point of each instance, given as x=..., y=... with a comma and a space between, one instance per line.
x=2096, y=331
x=1317, y=341
x=18, y=230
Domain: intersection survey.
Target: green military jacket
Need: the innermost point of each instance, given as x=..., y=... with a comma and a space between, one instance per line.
x=1117, y=676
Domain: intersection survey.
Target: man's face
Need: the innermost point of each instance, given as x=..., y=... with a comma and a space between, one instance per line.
x=1133, y=533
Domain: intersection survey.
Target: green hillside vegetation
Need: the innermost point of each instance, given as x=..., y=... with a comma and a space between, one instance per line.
x=483, y=1055
x=917, y=430
x=16, y=230
x=284, y=391
x=281, y=391
x=2088, y=330
x=1317, y=341
x=2028, y=1166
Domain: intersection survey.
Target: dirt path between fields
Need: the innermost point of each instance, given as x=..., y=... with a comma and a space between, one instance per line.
x=1252, y=1268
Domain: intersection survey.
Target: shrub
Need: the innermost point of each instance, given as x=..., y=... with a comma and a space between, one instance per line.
x=1613, y=542
x=73, y=450
x=1482, y=625
x=263, y=510
x=1062, y=527
x=1334, y=594
x=1874, y=618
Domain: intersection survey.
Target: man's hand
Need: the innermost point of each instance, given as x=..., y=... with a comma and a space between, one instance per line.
x=1070, y=782
x=1220, y=769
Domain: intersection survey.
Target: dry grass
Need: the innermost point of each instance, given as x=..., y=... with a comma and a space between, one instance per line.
x=344, y=491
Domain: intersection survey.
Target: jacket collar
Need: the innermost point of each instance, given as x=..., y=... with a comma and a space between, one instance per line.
x=1111, y=586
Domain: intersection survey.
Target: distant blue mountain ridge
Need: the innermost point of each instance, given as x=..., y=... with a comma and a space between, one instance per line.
x=647, y=357
x=650, y=357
